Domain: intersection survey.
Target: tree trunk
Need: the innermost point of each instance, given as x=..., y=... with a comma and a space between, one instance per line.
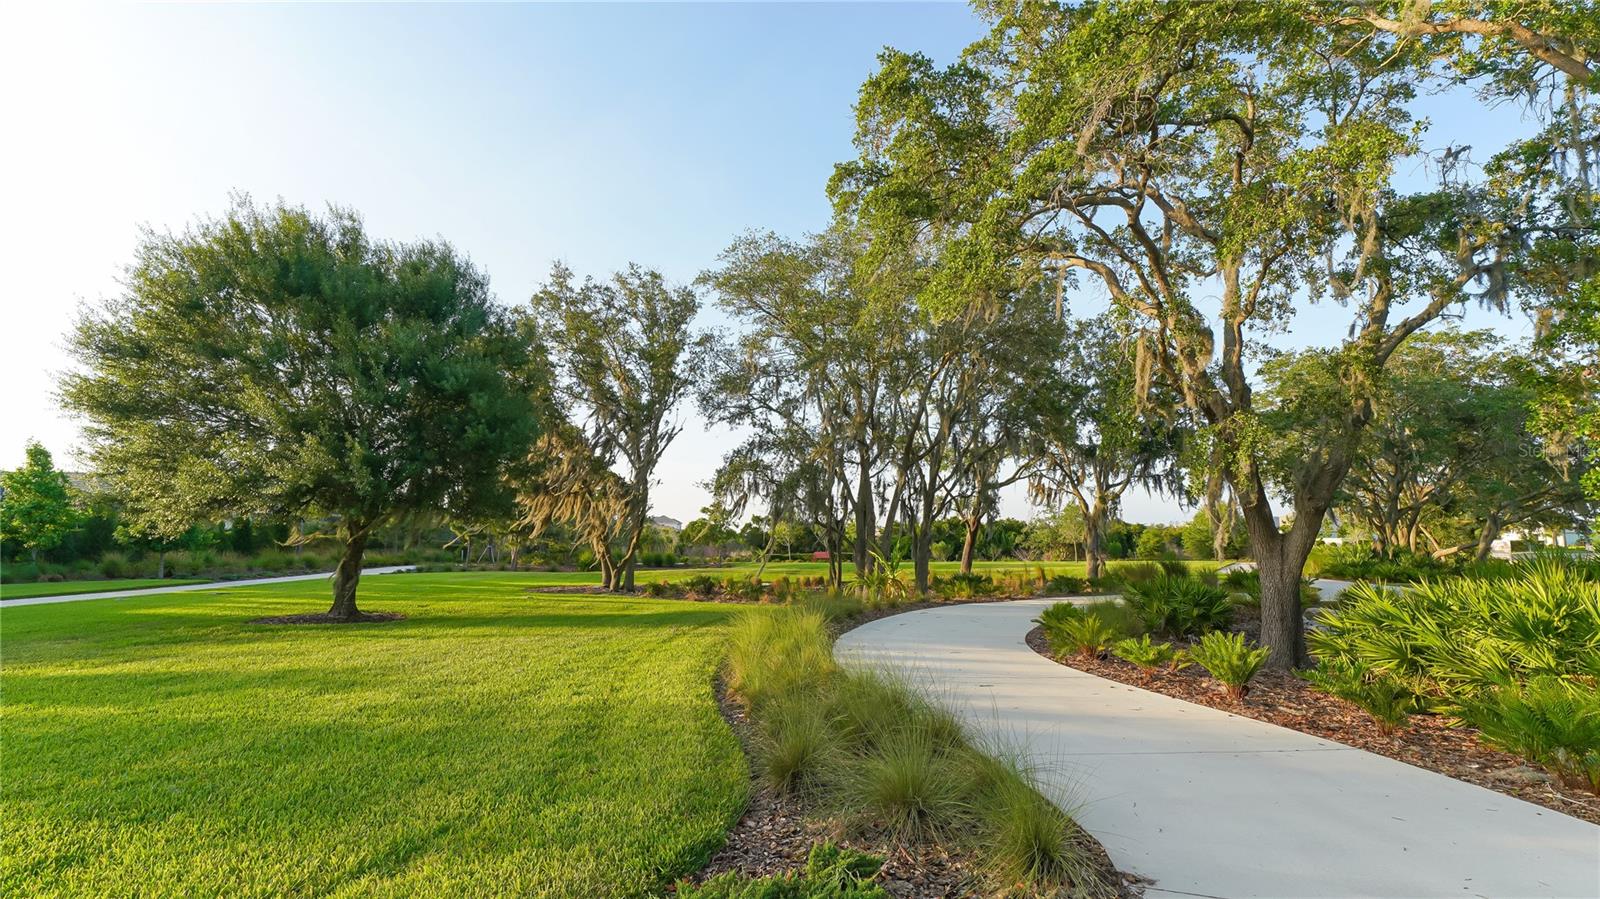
x=1486, y=536
x=864, y=516
x=970, y=546
x=346, y=577
x=921, y=557
x=1094, y=541
x=161, y=564
x=1281, y=559
x=1222, y=529
x=606, y=571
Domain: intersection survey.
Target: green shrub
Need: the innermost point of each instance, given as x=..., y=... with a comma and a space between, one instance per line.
x=743, y=588
x=702, y=585
x=1068, y=628
x=1142, y=652
x=663, y=589
x=795, y=744
x=1173, y=567
x=1230, y=660
x=1179, y=606
x=777, y=653
x=965, y=586
x=113, y=566
x=1359, y=561
x=1455, y=638
x=1066, y=585
x=1386, y=698
x=1551, y=722
x=907, y=786
x=831, y=872
x=1128, y=573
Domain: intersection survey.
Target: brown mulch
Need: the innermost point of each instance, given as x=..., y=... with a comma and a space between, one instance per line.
x=1281, y=698
x=775, y=834
x=325, y=618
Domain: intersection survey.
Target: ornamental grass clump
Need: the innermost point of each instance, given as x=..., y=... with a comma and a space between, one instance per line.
x=1026, y=839
x=1229, y=659
x=774, y=655
x=907, y=785
x=796, y=745
x=871, y=752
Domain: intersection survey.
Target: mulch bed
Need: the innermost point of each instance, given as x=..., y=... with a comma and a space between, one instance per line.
x=1280, y=698
x=775, y=834
x=325, y=618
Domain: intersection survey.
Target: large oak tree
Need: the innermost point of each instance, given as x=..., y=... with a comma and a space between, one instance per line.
x=276, y=363
x=1212, y=167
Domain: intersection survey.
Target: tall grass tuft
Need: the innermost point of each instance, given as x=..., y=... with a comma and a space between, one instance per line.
x=780, y=652
x=796, y=745
x=907, y=785
x=870, y=748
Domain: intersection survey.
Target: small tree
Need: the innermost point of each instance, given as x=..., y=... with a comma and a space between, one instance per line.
x=277, y=363
x=623, y=352
x=36, y=510
x=1100, y=440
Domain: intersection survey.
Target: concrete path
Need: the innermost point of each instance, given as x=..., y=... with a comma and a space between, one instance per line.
x=186, y=588
x=1211, y=804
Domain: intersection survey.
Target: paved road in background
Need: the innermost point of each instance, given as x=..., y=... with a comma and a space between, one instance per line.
x=186, y=588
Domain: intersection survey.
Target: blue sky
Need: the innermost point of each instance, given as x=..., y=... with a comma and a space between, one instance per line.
x=592, y=134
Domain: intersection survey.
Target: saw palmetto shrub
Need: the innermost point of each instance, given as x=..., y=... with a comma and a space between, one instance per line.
x=1516, y=656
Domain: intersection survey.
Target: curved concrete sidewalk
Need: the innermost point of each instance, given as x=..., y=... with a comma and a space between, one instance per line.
x=1211, y=804
x=188, y=588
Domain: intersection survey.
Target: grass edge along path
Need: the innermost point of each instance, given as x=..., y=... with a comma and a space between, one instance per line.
x=870, y=751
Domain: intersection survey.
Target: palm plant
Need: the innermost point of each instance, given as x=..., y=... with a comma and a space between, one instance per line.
x=1146, y=655
x=1230, y=660
x=1550, y=721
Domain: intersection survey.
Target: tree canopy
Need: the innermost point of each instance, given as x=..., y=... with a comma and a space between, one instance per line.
x=276, y=362
x=36, y=508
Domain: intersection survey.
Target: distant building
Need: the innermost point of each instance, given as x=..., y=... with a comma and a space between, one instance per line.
x=662, y=521
x=1515, y=542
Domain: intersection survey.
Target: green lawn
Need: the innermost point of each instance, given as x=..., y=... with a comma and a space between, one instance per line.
x=820, y=569
x=496, y=742
x=67, y=588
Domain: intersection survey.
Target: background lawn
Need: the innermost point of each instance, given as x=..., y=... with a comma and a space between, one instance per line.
x=67, y=588
x=495, y=742
x=820, y=569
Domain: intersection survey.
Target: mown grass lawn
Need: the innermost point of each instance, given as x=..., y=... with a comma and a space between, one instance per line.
x=820, y=569
x=68, y=588
x=495, y=742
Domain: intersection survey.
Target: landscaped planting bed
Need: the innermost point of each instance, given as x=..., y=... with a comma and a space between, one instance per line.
x=855, y=759
x=1492, y=680
x=1288, y=700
